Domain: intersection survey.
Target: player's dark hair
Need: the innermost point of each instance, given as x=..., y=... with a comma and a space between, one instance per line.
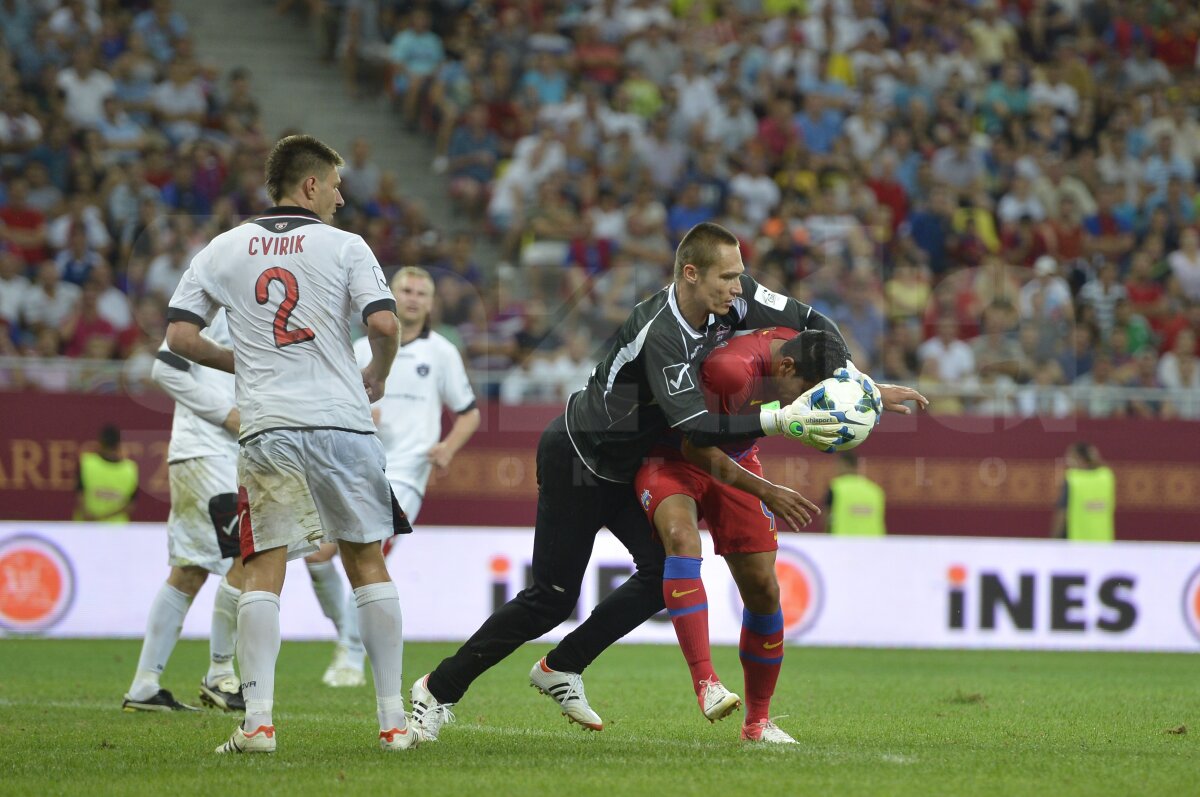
x=110, y=436
x=699, y=246
x=817, y=354
x=296, y=158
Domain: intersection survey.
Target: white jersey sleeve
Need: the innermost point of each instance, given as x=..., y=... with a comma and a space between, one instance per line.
x=191, y=302
x=203, y=399
x=369, y=290
x=453, y=386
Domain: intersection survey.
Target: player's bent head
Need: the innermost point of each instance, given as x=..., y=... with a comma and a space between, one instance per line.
x=701, y=247
x=817, y=353
x=294, y=159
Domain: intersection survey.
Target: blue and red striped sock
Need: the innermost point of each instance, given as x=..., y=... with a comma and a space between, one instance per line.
x=761, y=651
x=687, y=603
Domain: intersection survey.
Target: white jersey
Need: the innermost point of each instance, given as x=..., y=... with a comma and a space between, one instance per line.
x=203, y=399
x=289, y=284
x=427, y=374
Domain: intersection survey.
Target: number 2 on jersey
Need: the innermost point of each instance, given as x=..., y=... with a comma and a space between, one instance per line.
x=291, y=295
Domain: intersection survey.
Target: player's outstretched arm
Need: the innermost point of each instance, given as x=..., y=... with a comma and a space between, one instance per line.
x=184, y=339
x=788, y=505
x=383, y=333
x=174, y=375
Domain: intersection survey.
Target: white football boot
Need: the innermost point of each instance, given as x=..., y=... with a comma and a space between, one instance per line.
x=566, y=689
x=428, y=715
x=716, y=701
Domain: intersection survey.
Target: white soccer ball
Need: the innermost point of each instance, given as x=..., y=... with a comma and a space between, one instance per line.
x=852, y=398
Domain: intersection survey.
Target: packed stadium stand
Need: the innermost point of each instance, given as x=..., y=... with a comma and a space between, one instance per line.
x=997, y=201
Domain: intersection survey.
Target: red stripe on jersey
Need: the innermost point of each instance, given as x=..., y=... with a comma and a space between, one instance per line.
x=245, y=532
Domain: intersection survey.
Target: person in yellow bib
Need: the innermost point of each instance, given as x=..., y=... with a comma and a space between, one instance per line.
x=1088, y=501
x=108, y=483
x=856, y=504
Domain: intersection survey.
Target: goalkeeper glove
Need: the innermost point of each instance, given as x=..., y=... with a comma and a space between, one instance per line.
x=815, y=428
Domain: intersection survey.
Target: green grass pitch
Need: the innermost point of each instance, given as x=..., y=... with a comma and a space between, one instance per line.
x=869, y=722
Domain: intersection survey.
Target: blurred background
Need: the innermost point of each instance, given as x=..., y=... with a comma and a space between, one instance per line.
x=996, y=200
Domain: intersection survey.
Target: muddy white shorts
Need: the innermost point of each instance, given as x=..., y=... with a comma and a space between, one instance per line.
x=300, y=488
x=202, y=528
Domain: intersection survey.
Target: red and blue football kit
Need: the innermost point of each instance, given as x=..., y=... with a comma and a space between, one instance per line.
x=736, y=380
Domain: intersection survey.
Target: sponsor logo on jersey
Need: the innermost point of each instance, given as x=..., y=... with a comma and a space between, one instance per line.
x=281, y=225
x=37, y=584
x=770, y=298
x=678, y=378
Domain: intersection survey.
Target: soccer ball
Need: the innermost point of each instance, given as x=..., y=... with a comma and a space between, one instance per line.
x=851, y=398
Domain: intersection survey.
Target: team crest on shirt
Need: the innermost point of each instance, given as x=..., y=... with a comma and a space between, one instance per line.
x=423, y=369
x=646, y=499
x=281, y=225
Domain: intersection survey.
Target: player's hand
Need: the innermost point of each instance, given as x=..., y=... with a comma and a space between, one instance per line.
x=894, y=397
x=373, y=384
x=789, y=507
x=441, y=455
x=233, y=422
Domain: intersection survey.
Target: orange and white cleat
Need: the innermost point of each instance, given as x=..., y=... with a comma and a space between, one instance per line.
x=716, y=701
x=400, y=738
x=259, y=740
x=766, y=731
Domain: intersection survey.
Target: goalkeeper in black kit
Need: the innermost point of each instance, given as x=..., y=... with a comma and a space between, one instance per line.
x=587, y=460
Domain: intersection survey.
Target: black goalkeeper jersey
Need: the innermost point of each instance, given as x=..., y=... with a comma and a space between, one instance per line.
x=650, y=380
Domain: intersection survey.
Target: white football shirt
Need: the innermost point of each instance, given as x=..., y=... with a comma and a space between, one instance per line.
x=203, y=399
x=427, y=374
x=289, y=284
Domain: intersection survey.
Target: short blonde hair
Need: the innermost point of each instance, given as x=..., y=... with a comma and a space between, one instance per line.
x=416, y=272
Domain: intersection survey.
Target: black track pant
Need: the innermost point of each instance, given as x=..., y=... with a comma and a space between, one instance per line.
x=572, y=506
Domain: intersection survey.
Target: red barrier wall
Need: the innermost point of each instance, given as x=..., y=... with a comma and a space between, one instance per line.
x=943, y=475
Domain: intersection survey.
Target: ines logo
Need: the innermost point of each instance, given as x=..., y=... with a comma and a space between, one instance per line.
x=1037, y=601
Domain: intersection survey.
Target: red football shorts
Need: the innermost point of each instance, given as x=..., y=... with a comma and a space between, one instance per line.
x=737, y=521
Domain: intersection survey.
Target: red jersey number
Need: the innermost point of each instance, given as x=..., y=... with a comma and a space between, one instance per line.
x=291, y=295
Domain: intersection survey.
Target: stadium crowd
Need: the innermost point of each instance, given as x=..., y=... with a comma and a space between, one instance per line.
x=997, y=198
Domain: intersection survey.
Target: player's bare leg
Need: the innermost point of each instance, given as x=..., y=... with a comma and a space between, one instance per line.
x=676, y=521
x=258, y=650
x=167, y=611
x=220, y=687
x=381, y=626
x=337, y=603
x=761, y=644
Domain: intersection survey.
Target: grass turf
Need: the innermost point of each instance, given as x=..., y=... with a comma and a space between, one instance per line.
x=869, y=722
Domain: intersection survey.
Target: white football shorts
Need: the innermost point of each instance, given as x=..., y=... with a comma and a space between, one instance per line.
x=191, y=530
x=299, y=488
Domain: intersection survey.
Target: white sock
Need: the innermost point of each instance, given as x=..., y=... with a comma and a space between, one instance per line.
x=163, y=625
x=330, y=594
x=257, y=650
x=349, y=638
x=382, y=635
x=223, y=638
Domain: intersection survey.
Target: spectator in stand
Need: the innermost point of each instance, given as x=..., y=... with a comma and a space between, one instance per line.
x=180, y=104
x=22, y=227
x=13, y=290
x=1099, y=390
x=996, y=352
x=472, y=156
x=360, y=174
x=1146, y=294
x=1185, y=264
x=162, y=28
x=75, y=263
x=49, y=301
x=1045, y=396
x=1109, y=234
x=861, y=320
x=1102, y=294
x=83, y=89
x=416, y=54
x=946, y=357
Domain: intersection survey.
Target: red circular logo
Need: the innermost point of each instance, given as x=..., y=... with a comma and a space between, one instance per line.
x=36, y=584
x=800, y=591
x=1191, y=604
